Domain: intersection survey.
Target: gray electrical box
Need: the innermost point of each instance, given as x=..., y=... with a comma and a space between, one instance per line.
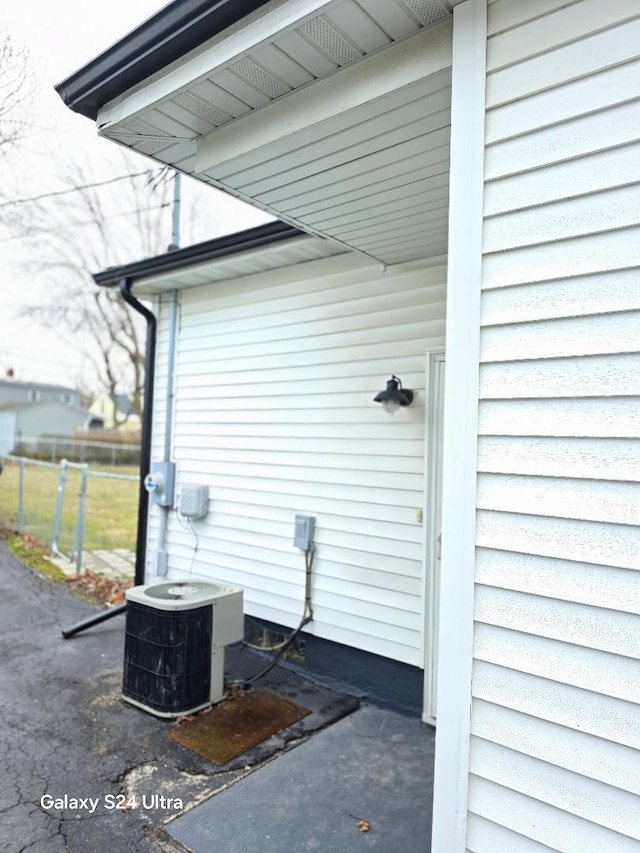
x=194, y=501
x=303, y=535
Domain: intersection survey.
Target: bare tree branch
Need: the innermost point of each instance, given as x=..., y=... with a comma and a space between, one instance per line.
x=16, y=86
x=72, y=236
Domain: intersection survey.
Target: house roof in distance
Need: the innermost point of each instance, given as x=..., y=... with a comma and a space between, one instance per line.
x=41, y=404
x=43, y=386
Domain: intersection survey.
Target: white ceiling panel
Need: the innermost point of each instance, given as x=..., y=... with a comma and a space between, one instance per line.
x=380, y=202
x=368, y=195
x=394, y=18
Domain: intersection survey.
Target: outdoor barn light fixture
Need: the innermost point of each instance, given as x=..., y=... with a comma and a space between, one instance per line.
x=394, y=396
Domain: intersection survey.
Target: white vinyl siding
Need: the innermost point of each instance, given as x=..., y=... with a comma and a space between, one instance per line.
x=555, y=726
x=275, y=378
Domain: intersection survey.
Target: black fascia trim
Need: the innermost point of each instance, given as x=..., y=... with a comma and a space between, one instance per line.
x=163, y=38
x=230, y=244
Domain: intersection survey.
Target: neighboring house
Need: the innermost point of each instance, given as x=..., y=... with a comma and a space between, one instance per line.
x=483, y=159
x=29, y=410
x=23, y=424
x=16, y=391
x=116, y=412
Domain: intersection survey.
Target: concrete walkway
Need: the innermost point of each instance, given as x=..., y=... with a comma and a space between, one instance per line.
x=119, y=564
x=373, y=766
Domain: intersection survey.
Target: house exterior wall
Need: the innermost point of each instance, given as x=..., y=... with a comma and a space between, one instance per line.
x=274, y=411
x=7, y=431
x=555, y=718
x=28, y=421
x=49, y=419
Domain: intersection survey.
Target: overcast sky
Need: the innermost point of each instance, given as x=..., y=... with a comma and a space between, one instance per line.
x=60, y=37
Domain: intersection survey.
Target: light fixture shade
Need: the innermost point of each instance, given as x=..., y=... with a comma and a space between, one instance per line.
x=394, y=396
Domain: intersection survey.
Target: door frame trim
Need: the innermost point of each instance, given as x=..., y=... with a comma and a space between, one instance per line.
x=435, y=360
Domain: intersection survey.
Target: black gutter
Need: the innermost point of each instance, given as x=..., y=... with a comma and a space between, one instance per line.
x=176, y=29
x=230, y=244
x=145, y=459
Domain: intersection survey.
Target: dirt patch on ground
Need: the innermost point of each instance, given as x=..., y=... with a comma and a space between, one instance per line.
x=97, y=589
x=88, y=586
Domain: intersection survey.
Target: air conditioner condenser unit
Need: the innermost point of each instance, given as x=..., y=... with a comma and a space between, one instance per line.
x=175, y=636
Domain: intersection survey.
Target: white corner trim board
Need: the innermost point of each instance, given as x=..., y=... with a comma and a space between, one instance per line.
x=460, y=428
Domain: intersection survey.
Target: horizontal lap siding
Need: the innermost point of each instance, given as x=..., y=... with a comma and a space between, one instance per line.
x=276, y=375
x=556, y=697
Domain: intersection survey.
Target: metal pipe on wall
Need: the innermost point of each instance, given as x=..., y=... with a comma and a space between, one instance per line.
x=161, y=552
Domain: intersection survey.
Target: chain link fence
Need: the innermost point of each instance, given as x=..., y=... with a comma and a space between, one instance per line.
x=73, y=509
x=94, y=451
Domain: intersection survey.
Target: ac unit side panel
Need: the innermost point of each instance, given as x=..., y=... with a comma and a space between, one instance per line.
x=228, y=619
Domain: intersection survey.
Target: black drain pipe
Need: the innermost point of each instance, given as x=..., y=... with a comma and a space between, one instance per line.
x=145, y=457
x=147, y=420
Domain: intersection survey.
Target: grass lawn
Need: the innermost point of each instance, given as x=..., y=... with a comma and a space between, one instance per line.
x=111, y=509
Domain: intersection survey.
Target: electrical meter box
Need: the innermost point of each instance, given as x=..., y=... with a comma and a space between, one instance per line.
x=194, y=501
x=159, y=482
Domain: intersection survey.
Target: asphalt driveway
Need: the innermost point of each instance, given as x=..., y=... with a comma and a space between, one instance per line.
x=55, y=738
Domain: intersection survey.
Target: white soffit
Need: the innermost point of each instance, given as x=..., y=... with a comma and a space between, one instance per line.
x=298, y=250
x=337, y=122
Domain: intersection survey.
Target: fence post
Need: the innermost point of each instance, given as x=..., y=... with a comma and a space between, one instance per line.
x=56, y=520
x=79, y=533
x=20, y=495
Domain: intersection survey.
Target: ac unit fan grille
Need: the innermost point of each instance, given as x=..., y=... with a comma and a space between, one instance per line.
x=167, y=657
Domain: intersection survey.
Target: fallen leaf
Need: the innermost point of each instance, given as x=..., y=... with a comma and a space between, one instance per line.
x=98, y=588
x=363, y=825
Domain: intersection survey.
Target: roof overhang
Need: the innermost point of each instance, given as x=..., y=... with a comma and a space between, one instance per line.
x=275, y=245
x=332, y=115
